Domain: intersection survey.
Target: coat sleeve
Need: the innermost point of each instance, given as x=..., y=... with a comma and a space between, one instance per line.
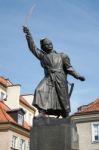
x=68, y=68
x=35, y=51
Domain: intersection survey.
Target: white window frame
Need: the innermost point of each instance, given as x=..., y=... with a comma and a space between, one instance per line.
x=28, y=145
x=22, y=144
x=14, y=142
x=2, y=95
x=30, y=119
x=95, y=132
x=20, y=119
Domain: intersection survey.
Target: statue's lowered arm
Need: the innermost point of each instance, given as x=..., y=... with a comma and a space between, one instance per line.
x=69, y=68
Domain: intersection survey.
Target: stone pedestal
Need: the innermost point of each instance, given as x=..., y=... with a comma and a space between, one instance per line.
x=53, y=134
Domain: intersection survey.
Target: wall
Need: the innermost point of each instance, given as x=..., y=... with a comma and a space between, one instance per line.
x=29, y=98
x=19, y=136
x=85, y=139
x=29, y=114
x=4, y=140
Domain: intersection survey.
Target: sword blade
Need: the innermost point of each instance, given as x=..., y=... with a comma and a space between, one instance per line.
x=29, y=15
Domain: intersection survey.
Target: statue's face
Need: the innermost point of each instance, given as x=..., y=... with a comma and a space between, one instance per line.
x=46, y=45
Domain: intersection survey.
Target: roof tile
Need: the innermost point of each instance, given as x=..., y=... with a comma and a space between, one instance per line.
x=92, y=107
x=3, y=81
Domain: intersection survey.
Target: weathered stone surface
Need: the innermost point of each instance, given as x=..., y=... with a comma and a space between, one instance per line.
x=53, y=134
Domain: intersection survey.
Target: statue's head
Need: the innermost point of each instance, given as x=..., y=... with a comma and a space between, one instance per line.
x=46, y=45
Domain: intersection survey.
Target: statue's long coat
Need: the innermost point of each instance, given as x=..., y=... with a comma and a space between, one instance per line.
x=52, y=91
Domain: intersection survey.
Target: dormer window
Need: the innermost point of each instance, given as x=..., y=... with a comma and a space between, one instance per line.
x=20, y=119
x=17, y=115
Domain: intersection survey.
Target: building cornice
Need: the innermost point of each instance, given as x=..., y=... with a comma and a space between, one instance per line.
x=15, y=128
x=88, y=117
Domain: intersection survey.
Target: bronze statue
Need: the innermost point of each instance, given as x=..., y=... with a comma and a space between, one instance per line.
x=51, y=95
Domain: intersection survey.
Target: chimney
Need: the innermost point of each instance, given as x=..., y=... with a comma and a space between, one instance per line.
x=13, y=94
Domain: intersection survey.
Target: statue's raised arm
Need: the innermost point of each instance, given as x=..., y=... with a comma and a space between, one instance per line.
x=38, y=53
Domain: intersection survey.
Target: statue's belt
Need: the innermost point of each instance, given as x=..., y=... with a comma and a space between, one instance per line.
x=53, y=70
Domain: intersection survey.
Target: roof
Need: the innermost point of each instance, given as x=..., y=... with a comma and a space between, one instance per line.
x=22, y=99
x=90, y=108
x=3, y=81
x=5, y=117
x=6, y=82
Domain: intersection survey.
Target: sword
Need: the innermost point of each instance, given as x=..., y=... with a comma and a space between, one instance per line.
x=71, y=89
x=29, y=15
x=70, y=93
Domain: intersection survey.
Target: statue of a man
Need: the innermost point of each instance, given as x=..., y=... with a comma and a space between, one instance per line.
x=51, y=95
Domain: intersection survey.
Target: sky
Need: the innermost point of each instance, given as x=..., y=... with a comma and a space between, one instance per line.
x=72, y=26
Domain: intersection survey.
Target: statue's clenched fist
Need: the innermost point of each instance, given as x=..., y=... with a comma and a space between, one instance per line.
x=25, y=30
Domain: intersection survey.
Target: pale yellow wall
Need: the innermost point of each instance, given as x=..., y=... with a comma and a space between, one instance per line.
x=29, y=98
x=28, y=115
x=85, y=139
x=4, y=141
x=19, y=136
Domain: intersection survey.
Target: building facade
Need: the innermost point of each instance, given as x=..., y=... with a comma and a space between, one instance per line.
x=87, y=121
x=16, y=115
x=17, y=112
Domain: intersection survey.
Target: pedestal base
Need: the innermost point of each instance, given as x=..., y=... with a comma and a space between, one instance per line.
x=53, y=134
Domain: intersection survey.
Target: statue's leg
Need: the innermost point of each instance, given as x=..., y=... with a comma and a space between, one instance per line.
x=62, y=93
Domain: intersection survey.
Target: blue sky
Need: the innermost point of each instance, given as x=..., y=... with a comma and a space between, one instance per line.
x=73, y=27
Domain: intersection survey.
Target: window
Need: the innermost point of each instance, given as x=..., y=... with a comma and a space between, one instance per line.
x=95, y=132
x=28, y=146
x=14, y=143
x=20, y=119
x=2, y=96
x=22, y=145
x=30, y=119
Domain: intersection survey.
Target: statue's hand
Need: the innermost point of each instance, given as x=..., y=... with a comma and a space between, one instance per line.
x=81, y=78
x=25, y=30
